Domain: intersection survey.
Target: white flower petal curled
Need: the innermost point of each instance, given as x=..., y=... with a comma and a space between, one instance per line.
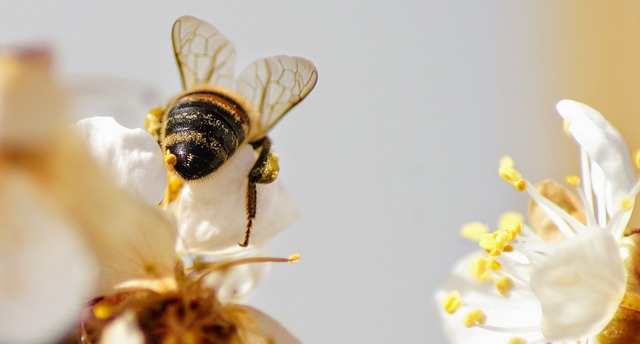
x=131, y=155
x=211, y=212
x=604, y=145
x=46, y=270
x=580, y=286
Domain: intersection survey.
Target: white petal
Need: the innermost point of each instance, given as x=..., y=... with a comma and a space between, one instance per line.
x=580, y=286
x=46, y=271
x=130, y=239
x=212, y=213
x=604, y=145
x=235, y=284
x=123, y=330
x=133, y=157
x=520, y=311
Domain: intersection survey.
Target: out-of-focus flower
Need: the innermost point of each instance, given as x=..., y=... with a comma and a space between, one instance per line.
x=562, y=278
x=81, y=237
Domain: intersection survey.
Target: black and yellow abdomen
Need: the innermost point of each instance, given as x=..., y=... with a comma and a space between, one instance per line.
x=203, y=129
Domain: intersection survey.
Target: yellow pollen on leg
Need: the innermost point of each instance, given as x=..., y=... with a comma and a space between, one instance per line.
x=170, y=159
x=473, y=231
x=637, y=159
x=452, y=302
x=504, y=285
x=474, y=318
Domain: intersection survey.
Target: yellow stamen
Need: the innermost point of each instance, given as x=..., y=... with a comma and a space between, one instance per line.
x=452, y=302
x=473, y=230
x=504, y=285
x=294, y=258
x=494, y=265
x=510, y=220
x=474, y=318
x=627, y=204
x=520, y=185
x=102, y=311
x=508, y=249
x=517, y=341
x=478, y=269
x=573, y=180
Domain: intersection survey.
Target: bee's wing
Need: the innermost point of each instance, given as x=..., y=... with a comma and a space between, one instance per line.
x=274, y=85
x=204, y=54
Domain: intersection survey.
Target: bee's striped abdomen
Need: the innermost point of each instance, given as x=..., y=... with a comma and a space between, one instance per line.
x=203, y=129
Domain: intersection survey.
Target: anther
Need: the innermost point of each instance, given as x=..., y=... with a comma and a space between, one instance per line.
x=573, y=180
x=473, y=231
x=452, y=302
x=294, y=258
x=504, y=285
x=478, y=269
x=474, y=318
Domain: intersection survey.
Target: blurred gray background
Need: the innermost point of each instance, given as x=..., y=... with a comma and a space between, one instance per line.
x=394, y=150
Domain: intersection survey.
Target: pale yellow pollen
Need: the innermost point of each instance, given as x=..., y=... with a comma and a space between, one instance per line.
x=452, y=302
x=637, y=159
x=294, y=258
x=474, y=318
x=565, y=126
x=473, y=231
x=573, y=180
x=627, y=204
x=504, y=285
x=478, y=269
x=517, y=341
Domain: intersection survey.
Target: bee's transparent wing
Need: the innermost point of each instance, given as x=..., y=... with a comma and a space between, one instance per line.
x=204, y=54
x=274, y=85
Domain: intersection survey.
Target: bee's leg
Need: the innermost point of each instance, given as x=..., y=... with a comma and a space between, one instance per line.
x=264, y=171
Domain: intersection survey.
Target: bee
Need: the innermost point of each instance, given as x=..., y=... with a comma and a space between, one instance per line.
x=202, y=127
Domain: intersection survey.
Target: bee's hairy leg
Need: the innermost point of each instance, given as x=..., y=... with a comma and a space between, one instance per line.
x=264, y=171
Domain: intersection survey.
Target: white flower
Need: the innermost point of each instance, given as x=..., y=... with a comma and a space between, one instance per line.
x=80, y=222
x=212, y=215
x=132, y=156
x=562, y=278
